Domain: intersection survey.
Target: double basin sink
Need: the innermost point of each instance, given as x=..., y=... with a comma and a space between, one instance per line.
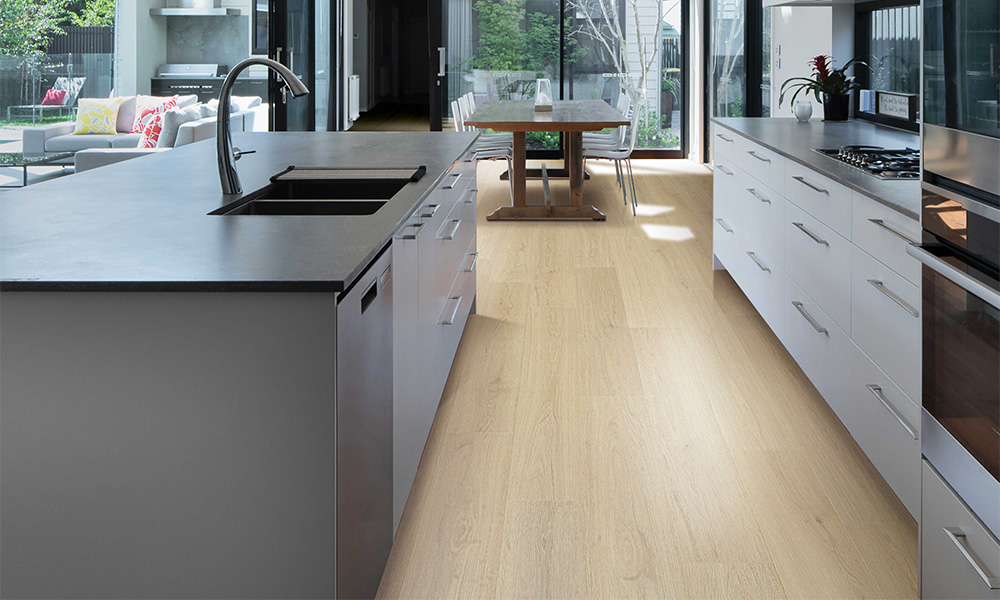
x=324, y=192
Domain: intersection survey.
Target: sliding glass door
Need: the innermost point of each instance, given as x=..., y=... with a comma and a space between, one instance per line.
x=497, y=49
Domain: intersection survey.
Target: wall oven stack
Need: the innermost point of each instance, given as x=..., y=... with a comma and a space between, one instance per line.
x=960, y=252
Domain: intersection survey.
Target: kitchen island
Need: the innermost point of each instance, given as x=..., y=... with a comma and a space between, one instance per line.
x=198, y=405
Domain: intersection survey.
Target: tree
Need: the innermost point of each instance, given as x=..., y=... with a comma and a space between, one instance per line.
x=27, y=26
x=96, y=13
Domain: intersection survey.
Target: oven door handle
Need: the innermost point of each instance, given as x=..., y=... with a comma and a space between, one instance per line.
x=954, y=275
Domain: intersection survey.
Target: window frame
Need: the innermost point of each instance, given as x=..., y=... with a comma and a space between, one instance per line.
x=862, y=48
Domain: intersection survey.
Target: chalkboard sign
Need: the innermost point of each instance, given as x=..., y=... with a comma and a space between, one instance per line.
x=896, y=105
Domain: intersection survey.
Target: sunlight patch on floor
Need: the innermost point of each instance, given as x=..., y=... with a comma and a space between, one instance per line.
x=669, y=233
x=652, y=210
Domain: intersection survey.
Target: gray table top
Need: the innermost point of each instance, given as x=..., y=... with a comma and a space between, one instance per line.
x=796, y=141
x=566, y=115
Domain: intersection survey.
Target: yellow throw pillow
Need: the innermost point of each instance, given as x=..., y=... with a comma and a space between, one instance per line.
x=97, y=115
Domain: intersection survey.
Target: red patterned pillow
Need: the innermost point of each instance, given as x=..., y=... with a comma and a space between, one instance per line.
x=152, y=132
x=145, y=112
x=54, y=98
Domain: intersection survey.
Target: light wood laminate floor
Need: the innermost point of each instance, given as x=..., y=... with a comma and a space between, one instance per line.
x=620, y=423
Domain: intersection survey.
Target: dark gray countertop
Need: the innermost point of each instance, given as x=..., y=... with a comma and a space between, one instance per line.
x=795, y=141
x=142, y=225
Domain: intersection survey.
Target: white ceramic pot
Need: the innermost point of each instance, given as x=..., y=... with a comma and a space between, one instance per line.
x=803, y=110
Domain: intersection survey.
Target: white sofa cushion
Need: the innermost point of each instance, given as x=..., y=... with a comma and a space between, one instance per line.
x=172, y=121
x=73, y=143
x=186, y=101
x=245, y=102
x=126, y=140
x=126, y=115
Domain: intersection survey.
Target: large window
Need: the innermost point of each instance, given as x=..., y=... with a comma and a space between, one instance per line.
x=888, y=38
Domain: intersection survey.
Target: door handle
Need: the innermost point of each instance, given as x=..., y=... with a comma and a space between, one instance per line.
x=810, y=185
x=957, y=536
x=455, y=224
x=723, y=225
x=472, y=265
x=759, y=196
x=812, y=235
x=724, y=170
x=954, y=275
x=891, y=295
x=454, y=181
x=880, y=396
x=758, y=262
x=442, y=61
x=808, y=317
x=881, y=223
x=454, y=312
x=758, y=156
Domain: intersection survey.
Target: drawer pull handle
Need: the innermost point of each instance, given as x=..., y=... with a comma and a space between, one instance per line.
x=882, y=224
x=455, y=224
x=724, y=138
x=724, y=170
x=808, y=317
x=814, y=237
x=416, y=231
x=880, y=396
x=957, y=536
x=723, y=225
x=757, y=262
x=472, y=266
x=470, y=196
x=454, y=311
x=758, y=156
x=878, y=285
x=759, y=196
x=428, y=210
x=454, y=180
x=810, y=185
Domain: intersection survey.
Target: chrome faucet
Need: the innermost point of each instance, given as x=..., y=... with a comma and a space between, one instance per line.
x=228, y=155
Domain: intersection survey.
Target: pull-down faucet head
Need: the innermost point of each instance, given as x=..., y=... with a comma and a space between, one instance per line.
x=227, y=156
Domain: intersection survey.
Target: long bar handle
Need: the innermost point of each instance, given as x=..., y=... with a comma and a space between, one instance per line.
x=455, y=224
x=428, y=210
x=878, y=285
x=758, y=156
x=442, y=61
x=724, y=170
x=808, y=317
x=724, y=226
x=454, y=312
x=472, y=266
x=809, y=184
x=724, y=138
x=454, y=180
x=413, y=235
x=957, y=536
x=757, y=261
x=954, y=275
x=880, y=396
x=891, y=230
x=759, y=196
x=814, y=237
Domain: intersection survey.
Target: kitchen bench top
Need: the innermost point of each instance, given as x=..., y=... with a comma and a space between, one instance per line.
x=143, y=224
x=796, y=141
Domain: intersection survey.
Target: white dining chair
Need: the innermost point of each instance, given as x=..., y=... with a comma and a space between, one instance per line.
x=485, y=150
x=622, y=157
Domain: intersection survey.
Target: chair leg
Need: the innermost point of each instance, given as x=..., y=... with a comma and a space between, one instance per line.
x=618, y=166
x=631, y=181
x=618, y=173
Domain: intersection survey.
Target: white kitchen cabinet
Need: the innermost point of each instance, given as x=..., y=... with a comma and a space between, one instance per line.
x=885, y=313
x=764, y=165
x=820, y=196
x=959, y=558
x=725, y=188
x=818, y=259
x=723, y=142
x=763, y=282
x=763, y=211
x=884, y=233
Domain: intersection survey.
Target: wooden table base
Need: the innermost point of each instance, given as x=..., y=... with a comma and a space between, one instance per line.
x=547, y=213
x=537, y=174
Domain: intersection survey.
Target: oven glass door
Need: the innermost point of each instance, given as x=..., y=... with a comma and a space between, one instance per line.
x=962, y=65
x=961, y=363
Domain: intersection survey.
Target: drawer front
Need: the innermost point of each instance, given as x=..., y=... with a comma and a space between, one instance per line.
x=886, y=425
x=766, y=166
x=884, y=233
x=725, y=243
x=763, y=212
x=885, y=320
x=958, y=556
x=765, y=283
x=819, y=261
x=725, y=191
x=819, y=346
x=819, y=196
x=723, y=142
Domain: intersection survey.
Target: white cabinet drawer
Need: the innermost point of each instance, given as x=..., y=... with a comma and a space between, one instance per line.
x=819, y=196
x=763, y=212
x=725, y=190
x=958, y=556
x=886, y=425
x=819, y=346
x=723, y=142
x=884, y=233
x=885, y=320
x=763, y=282
x=766, y=166
x=725, y=242
x=819, y=261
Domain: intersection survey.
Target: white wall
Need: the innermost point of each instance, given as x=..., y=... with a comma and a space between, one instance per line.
x=140, y=45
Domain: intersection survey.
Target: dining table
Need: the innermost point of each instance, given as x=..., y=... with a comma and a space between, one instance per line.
x=572, y=118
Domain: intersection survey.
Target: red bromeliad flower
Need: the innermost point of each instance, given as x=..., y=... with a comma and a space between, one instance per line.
x=821, y=67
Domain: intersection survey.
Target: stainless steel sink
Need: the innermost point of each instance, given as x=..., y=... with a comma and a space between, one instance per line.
x=312, y=197
x=308, y=207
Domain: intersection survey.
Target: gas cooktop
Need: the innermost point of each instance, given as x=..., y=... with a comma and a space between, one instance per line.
x=877, y=161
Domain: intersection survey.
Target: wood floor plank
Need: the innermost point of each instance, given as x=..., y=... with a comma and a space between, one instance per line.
x=541, y=555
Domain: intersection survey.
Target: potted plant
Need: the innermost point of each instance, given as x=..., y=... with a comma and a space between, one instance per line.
x=670, y=89
x=834, y=85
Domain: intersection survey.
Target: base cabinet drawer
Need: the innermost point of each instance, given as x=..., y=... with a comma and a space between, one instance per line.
x=959, y=558
x=820, y=196
x=819, y=346
x=763, y=283
x=886, y=425
x=766, y=166
x=726, y=243
x=763, y=212
x=819, y=260
x=725, y=191
x=885, y=316
x=723, y=142
x=884, y=233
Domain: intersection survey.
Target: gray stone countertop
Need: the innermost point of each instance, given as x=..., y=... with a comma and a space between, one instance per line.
x=143, y=224
x=796, y=141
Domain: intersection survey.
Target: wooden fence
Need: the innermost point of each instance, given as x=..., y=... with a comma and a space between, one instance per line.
x=83, y=40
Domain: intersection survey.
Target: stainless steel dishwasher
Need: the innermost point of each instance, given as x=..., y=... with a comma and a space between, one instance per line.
x=364, y=430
